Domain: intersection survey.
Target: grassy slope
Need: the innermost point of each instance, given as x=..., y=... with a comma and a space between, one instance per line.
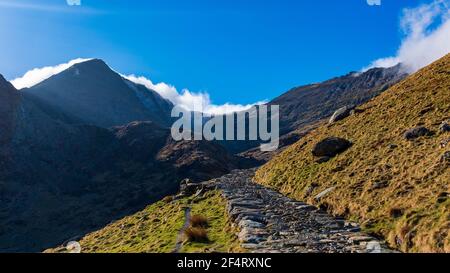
x=406, y=212
x=155, y=229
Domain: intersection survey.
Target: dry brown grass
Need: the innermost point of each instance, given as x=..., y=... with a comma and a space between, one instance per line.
x=168, y=199
x=199, y=221
x=196, y=234
x=414, y=180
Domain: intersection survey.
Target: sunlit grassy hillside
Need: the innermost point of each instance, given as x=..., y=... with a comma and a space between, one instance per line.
x=396, y=188
x=156, y=229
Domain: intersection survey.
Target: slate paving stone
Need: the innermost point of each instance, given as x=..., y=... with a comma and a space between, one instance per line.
x=270, y=222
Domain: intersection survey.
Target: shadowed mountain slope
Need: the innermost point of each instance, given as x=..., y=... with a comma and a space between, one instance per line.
x=97, y=95
x=308, y=104
x=61, y=179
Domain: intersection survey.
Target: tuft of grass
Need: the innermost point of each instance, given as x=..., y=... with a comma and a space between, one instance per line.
x=198, y=221
x=196, y=234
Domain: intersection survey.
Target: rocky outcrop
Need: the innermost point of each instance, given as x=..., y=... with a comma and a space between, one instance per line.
x=417, y=132
x=331, y=147
x=341, y=114
x=273, y=223
x=189, y=187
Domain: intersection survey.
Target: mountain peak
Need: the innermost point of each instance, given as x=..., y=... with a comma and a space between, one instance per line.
x=95, y=61
x=97, y=95
x=5, y=84
x=92, y=65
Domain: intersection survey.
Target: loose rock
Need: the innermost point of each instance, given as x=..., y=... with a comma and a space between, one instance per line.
x=417, y=132
x=331, y=147
x=325, y=192
x=445, y=127
x=446, y=157
x=341, y=114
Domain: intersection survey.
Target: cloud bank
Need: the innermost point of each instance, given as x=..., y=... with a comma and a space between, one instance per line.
x=194, y=101
x=426, y=31
x=38, y=75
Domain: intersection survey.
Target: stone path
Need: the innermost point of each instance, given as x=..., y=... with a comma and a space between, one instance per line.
x=272, y=223
x=180, y=237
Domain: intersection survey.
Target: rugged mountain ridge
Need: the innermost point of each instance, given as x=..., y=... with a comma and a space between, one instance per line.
x=303, y=108
x=96, y=95
x=308, y=104
x=394, y=179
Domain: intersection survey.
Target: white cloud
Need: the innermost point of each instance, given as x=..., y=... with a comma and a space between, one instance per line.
x=38, y=75
x=427, y=36
x=194, y=101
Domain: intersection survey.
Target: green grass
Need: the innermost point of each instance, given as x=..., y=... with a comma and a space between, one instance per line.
x=220, y=233
x=155, y=229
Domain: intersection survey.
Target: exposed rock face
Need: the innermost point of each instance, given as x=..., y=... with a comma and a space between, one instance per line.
x=201, y=160
x=341, y=114
x=330, y=147
x=417, y=132
x=96, y=95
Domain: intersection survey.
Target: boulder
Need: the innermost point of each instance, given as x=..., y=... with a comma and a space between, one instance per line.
x=341, y=114
x=442, y=197
x=417, y=132
x=379, y=185
x=446, y=157
x=323, y=159
x=392, y=146
x=331, y=147
x=189, y=188
x=445, y=127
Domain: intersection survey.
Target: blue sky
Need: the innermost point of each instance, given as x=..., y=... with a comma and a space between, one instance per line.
x=237, y=51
